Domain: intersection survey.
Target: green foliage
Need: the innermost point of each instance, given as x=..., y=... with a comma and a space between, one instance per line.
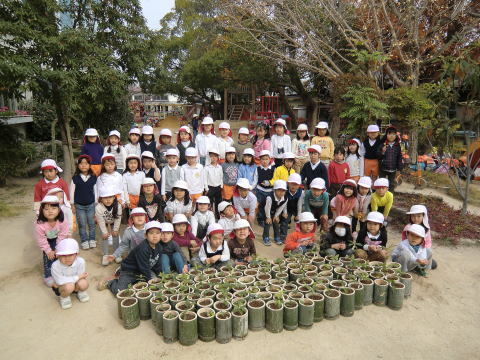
x=43, y=115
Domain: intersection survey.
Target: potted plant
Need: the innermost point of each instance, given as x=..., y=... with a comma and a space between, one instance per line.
x=396, y=294
x=123, y=294
x=277, y=282
x=306, y=309
x=304, y=281
x=251, y=272
x=130, y=313
x=338, y=272
x=296, y=274
x=380, y=291
x=209, y=293
x=295, y=295
x=223, y=326
x=246, y=280
x=170, y=326
x=204, y=302
x=141, y=285
x=319, y=305
x=289, y=287
x=326, y=274
x=347, y=301
x=359, y=294
x=256, y=314
x=176, y=298
x=185, y=305
x=159, y=310
x=222, y=305
x=143, y=297
x=239, y=320
x=406, y=279
x=206, y=324
x=367, y=289
x=187, y=328
x=337, y=284
x=332, y=304
x=282, y=275
x=154, y=301
x=290, y=315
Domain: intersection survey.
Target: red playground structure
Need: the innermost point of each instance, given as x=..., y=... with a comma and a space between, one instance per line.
x=266, y=110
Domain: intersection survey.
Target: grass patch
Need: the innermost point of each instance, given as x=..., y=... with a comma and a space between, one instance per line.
x=7, y=210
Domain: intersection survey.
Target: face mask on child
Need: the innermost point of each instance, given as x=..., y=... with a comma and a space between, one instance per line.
x=340, y=231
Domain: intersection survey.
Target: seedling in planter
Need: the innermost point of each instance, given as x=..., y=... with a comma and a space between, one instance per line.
x=239, y=308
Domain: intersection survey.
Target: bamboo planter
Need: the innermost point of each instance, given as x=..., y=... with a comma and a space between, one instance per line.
x=332, y=304
x=206, y=324
x=319, y=306
x=223, y=327
x=290, y=315
x=396, y=294
x=256, y=314
x=347, y=305
x=274, y=316
x=380, y=292
x=130, y=313
x=306, y=310
x=143, y=297
x=187, y=328
x=170, y=326
x=159, y=311
x=123, y=294
x=240, y=323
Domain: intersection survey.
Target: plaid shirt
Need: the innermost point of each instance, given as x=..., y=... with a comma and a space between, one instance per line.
x=392, y=158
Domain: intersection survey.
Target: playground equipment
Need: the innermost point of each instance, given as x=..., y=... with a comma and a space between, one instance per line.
x=266, y=110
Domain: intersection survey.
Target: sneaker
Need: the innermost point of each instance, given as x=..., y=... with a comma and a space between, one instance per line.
x=83, y=296
x=65, y=302
x=92, y=243
x=266, y=242
x=85, y=245
x=48, y=281
x=102, y=285
x=421, y=272
x=434, y=264
x=279, y=241
x=110, y=240
x=118, y=260
x=105, y=261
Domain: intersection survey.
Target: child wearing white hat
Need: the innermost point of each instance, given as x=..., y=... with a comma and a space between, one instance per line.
x=354, y=160
x=372, y=240
x=164, y=144
x=91, y=146
x=149, y=167
x=316, y=201
x=110, y=179
x=230, y=173
x=303, y=238
x=205, y=140
x=371, y=151
x=184, y=141
x=133, y=146
x=49, y=170
x=276, y=214
x=213, y=180
x=150, y=200
x=339, y=239
x=314, y=168
x=247, y=168
x=65, y=207
x=282, y=172
x=300, y=144
x=295, y=197
x=147, y=141
x=245, y=201
x=265, y=171
x=228, y=217
x=115, y=147
x=323, y=139
x=224, y=140
x=179, y=202
x=202, y=217
x=193, y=174
x=281, y=142
x=132, y=180
x=412, y=253
x=364, y=195
x=382, y=199
x=241, y=244
x=242, y=143
x=171, y=172
x=214, y=251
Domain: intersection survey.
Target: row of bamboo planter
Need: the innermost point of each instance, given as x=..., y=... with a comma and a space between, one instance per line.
x=219, y=305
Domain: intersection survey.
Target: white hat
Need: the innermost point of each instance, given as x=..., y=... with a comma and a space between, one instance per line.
x=381, y=182
x=223, y=205
x=417, y=209
x=214, y=228
x=414, y=229
x=148, y=181
x=167, y=227
x=203, y=200
x=185, y=128
x=315, y=148
x=373, y=128
x=207, y=120
x=249, y=151
x=224, y=125
x=134, y=131
x=132, y=156
x=230, y=149
x=244, y=131
x=265, y=153
x=241, y=224
x=67, y=246
x=317, y=183
x=180, y=184
x=306, y=217
x=322, y=125
x=243, y=183
x=153, y=225
x=343, y=220
x=91, y=132
x=302, y=127
x=356, y=141
x=213, y=150
x=50, y=164
x=138, y=211
x=148, y=154
x=191, y=151
x=375, y=216
x=365, y=181
x=108, y=156
x=280, y=121
x=147, y=130
x=180, y=219
x=195, y=115
x=289, y=155
x=172, y=152
x=114, y=133
x=295, y=178
x=107, y=192
x=50, y=199
x=56, y=190
x=350, y=182
x=280, y=185
x=165, y=132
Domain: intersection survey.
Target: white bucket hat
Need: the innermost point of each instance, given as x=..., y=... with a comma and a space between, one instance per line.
x=114, y=133
x=167, y=227
x=147, y=130
x=203, y=200
x=132, y=156
x=295, y=178
x=223, y=205
x=224, y=125
x=317, y=183
x=207, y=120
x=289, y=155
x=50, y=199
x=315, y=148
x=302, y=127
x=153, y=225
x=107, y=192
x=138, y=211
x=265, y=153
x=415, y=229
x=49, y=164
x=148, y=181
x=381, y=182
x=365, y=181
x=306, y=217
x=343, y=220
x=243, y=183
x=91, y=132
x=165, y=132
x=322, y=125
x=280, y=121
x=108, y=156
x=180, y=184
x=375, y=216
x=185, y=128
x=373, y=128
x=148, y=154
x=214, y=229
x=244, y=131
x=180, y=219
x=172, y=152
x=241, y=224
x=230, y=149
x=67, y=246
x=280, y=185
x=417, y=209
x=56, y=190
x=248, y=151
x=213, y=150
x=191, y=151
x=134, y=131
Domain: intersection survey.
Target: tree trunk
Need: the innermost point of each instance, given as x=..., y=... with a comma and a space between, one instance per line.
x=286, y=106
x=54, y=141
x=335, y=126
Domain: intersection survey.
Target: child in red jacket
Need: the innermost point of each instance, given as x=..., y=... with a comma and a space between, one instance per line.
x=49, y=170
x=303, y=239
x=338, y=171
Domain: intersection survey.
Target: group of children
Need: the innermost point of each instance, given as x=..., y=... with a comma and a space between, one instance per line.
x=194, y=204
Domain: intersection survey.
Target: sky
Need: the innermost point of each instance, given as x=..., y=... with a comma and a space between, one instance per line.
x=154, y=10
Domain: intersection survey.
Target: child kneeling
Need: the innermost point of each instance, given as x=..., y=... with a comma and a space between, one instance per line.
x=338, y=240
x=303, y=238
x=373, y=239
x=214, y=251
x=412, y=253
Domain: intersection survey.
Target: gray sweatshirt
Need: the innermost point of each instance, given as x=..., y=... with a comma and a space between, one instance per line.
x=130, y=239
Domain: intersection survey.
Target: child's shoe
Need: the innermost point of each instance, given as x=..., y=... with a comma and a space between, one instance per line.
x=105, y=261
x=278, y=241
x=266, y=241
x=65, y=302
x=92, y=244
x=48, y=281
x=102, y=285
x=118, y=260
x=83, y=296
x=434, y=264
x=85, y=245
x=421, y=272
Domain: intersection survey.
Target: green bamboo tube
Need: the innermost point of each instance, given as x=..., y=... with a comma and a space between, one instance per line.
x=380, y=292
x=223, y=327
x=256, y=314
x=290, y=315
x=359, y=294
x=367, y=291
x=158, y=311
x=206, y=324
x=347, y=301
x=274, y=316
x=154, y=302
x=406, y=279
x=187, y=328
x=396, y=294
x=170, y=326
x=123, y=294
x=143, y=297
x=240, y=323
x=306, y=310
x=130, y=313
x=332, y=304
x=319, y=306
x=204, y=303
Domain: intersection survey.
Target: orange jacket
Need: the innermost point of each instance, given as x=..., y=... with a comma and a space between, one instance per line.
x=294, y=239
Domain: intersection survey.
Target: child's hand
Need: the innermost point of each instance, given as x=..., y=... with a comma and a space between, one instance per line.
x=114, y=233
x=83, y=276
x=284, y=215
x=105, y=236
x=248, y=259
x=51, y=255
x=276, y=219
x=422, y=261
x=193, y=244
x=268, y=221
x=110, y=258
x=185, y=269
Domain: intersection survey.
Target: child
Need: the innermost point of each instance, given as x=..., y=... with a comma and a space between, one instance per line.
x=242, y=143
x=224, y=140
x=83, y=194
x=247, y=168
x=69, y=274
x=147, y=142
x=50, y=230
x=323, y=139
x=345, y=202
x=149, y=167
x=133, y=235
x=281, y=142
x=213, y=180
x=50, y=170
x=109, y=179
x=164, y=144
x=202, y=217
x=354, y=160
x=133, y=146
x=132, y=180
x=371, y=240
x=371, y=151
x=382, y=199
x=261, y=141
x=171, y=255
x=214, y=251
x=303, y=238
x=114, y=146
x=65, y=207
x=108, y=214
x=193, y=174
x=276, y=214
x=282, y=172
x=141, y=263
x=338, y=171
x=241, y=245
x=244, y=200
x=230, y=173
x=228, y=217
x=295, y=197
x=391, y=161
x=339, y=238
x=264, y=188
x=171, y=173
x=179, y=202
x=183, y=236
x=92, y=147
x=299, y=147
x=412, y=253
x=205, y=140
x=316, y=201
x=363, y=197
x=314, y=168
x=184, y=141
x=151, y=201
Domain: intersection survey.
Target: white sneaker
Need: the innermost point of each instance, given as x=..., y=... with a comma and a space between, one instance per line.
x=85, y=245
x=110, y=240
x=118, y=260
x=83, y=296
x=105, y=261
x=92, y=243
x=65, y=302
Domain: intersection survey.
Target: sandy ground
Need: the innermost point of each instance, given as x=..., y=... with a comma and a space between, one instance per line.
x=441, y=320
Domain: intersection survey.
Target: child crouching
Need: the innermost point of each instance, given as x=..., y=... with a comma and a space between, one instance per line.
x=214, y=251
x=412, y=253
x=303, y=238
x=241, y=245
x=339, y=238
x=372, y=239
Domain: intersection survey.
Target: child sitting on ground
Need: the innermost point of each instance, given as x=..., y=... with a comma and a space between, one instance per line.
x=382, y=199
x=230, y=174
x=228, y=217
x=339, y=238
x=180, y=202
x=50, y=180
x=150, y=200
x=345, y=202
x=241, y=245
x=242, y=143
x=171, y=254
x=245, y=201
x=363, y=198
x=202, y=217
x=371, y=240
x=303, y=238
x=276, y=214
x=314, y=168
x=214, y=251
x=316, y=201
x=69, y=273
x=338, y=171
x=188, y=242
x=412, y=253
